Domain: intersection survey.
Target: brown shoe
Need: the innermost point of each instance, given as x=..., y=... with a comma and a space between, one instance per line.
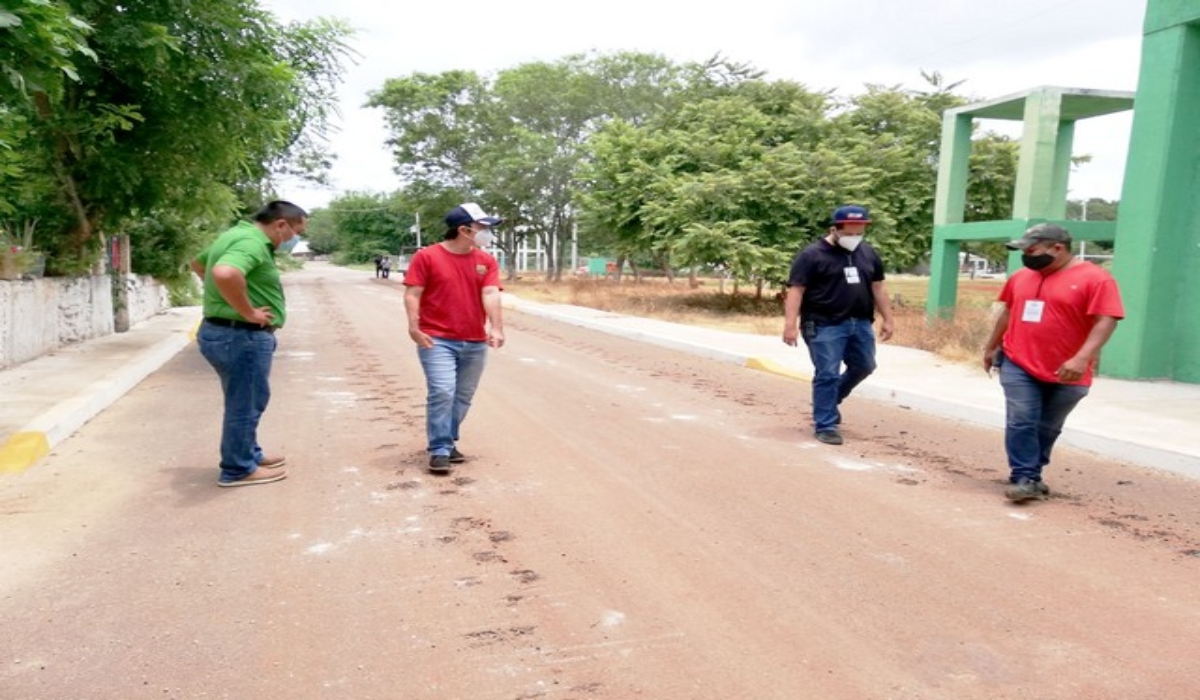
x=262, y=475
x=272, y=461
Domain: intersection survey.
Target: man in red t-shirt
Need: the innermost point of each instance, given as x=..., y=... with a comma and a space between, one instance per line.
x=452, y=299
x=1057, y=315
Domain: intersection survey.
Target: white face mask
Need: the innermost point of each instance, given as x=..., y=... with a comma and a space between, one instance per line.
x=849, y=242
x=485, y=238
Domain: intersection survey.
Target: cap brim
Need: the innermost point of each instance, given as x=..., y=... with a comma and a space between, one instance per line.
x=1022, y=243
x=490, y=221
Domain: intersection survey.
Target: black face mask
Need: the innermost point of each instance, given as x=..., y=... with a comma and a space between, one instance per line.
x=1037, y=262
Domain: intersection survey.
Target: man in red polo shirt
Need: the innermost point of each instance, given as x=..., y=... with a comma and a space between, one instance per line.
x=454, y=315
x=1058, y=313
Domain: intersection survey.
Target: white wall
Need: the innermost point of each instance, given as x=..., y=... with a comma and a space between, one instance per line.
x=41, y=315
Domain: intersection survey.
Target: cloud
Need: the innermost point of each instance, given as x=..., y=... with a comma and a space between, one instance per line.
x=998, y=48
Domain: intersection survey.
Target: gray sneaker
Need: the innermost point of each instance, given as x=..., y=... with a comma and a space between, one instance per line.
x=440, y=464
x=830, y=437
x=1025, y=489
x=457, y=457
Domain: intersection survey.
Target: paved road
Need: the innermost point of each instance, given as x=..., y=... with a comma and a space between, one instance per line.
x=634, y=522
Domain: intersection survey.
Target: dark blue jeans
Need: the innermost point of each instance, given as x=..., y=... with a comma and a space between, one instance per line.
x=851, y=342
x=242, y=359
x=1035, y=414
x=452, y=372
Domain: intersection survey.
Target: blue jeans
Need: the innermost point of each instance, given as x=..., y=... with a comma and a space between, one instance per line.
x=851, y=342
x=242, y=359
x=452, y=372
x=1035, y=414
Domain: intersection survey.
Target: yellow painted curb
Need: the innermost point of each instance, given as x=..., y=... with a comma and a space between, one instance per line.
x=774, y=368
x=22, y=451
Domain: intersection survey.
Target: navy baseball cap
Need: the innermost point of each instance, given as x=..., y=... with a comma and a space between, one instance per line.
x=1040, y=233
x=470, y=213
x=851, y=214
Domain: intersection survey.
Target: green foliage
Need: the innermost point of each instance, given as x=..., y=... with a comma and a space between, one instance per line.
x=515, y=142
x=41, y=42
x=705, y=164
x=1097, y=209
x=184, y=291
x=749, y=171
x=360, y=225
x=181, y=120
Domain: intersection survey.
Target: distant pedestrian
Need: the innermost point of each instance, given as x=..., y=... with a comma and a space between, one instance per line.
x=1058, y=313
x=453, y=305
x=834, y=289
x=243, y=307
x=385, y=266
x=378, y=266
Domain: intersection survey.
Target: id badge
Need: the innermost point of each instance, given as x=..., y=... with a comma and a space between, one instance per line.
x=851, y=275
x=1033, y=311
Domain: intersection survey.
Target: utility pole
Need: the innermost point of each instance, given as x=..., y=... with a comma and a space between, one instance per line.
x=1083, y=244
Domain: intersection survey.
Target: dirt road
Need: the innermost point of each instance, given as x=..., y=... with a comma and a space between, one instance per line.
x=633, y=523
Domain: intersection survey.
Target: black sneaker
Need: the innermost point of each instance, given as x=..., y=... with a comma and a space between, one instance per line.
x=457, y=457
x=439, y=464
x=830, y=437
x=1025, y=489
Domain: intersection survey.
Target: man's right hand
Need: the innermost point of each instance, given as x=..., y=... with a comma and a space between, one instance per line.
x=989, y=360
x=421, y=339
x=791, y=335
x=261, y=316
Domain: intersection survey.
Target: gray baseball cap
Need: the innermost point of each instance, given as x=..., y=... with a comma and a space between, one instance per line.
x=1041, y=233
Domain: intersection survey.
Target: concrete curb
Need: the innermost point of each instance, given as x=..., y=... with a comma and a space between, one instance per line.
x=35, y=439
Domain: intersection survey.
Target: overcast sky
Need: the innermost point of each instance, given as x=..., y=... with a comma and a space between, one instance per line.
x=997, y=47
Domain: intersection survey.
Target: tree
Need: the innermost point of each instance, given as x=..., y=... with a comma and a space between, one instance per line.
x=178, y=124
x=40, y=44
x=515, y=141
x=1097, y=209
x=752, y=163
x=369, y=224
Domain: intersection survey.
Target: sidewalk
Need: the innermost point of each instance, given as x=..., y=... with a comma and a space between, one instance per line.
x=49, y=398
x=1154, y=424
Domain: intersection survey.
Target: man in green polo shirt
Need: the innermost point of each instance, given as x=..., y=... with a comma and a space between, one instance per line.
x=243, y=307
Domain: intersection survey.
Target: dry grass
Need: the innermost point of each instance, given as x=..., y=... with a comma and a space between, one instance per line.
x=960, y=340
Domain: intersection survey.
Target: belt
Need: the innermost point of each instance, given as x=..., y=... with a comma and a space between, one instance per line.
x=243, y=325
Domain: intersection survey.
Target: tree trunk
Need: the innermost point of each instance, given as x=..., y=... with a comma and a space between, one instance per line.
x=83, y=231
x=548, y=247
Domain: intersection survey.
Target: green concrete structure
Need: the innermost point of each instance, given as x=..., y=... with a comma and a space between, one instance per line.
x=1157, y=248
x=1044, y=165
x=1157, y=234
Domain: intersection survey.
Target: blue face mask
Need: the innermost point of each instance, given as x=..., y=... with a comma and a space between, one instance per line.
x=287, y=246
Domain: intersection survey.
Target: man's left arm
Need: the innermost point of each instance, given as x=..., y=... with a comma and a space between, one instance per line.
x=495, y=316
x=199, y=264
x=884, y=303
x=1073, y=369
